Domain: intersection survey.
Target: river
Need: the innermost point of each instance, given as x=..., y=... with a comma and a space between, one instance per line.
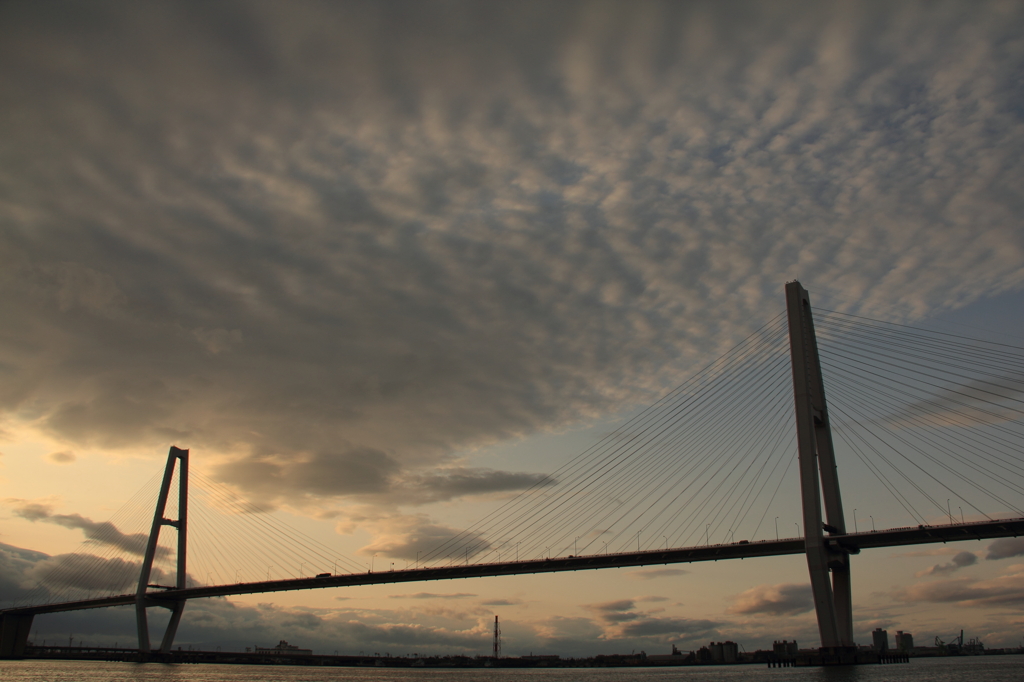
x=957, y=669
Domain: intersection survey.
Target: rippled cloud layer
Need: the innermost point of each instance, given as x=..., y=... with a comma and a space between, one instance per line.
x=336, y=244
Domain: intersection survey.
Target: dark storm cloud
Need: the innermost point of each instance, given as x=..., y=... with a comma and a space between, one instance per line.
x=214, y=622
x=432, y=595
x=653, y=573
x=501, y=602
x=960, y=560
x=34, y=577
x=410, y=537
x=1005, y=590
x=90, y=574
x=676, y=627
x=451, y=483
x=338, y=243
x=1006, y=548
x=99, y=532
x=778, y=600
x=622, y=621
x=15, y=564
x=618, y=611
x=360, y=471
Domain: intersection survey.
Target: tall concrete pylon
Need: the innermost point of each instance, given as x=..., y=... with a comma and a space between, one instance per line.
x=833, y=599
x=143, y=600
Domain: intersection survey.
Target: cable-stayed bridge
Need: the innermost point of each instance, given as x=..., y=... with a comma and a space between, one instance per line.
x=932, y=419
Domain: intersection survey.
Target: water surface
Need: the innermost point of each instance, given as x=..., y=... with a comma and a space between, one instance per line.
x=966, y=669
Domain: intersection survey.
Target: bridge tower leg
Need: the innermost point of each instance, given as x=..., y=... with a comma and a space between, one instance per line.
x=833, y=599
x=142, y=599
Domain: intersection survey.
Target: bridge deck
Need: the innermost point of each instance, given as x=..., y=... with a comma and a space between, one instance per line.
x=852, y=542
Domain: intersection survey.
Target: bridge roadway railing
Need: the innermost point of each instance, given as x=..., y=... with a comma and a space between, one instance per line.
x=851, y=543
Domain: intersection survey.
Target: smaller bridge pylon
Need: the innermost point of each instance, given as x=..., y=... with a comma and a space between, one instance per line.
x=143, y=598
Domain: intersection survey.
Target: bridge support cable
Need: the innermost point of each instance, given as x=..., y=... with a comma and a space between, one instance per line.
x=991, y=448
x=653, y=487
x=945, y=407
x=638, y=463
x=833, y=600
x=143, y=599
x=248, y=540
x=662, y=465
x=734, y=469
x=851, y=442
x=931, y=464
x=106, y=563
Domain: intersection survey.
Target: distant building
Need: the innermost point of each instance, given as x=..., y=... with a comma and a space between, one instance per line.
x=723, y=652
x=677, y=657
x=904, y=641
x=785, y=648
x=880, y=639
x=283, y=648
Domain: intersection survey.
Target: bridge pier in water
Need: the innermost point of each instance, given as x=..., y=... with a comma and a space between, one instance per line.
x=14, y=629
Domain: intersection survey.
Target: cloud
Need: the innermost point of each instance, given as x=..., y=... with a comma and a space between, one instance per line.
x=460, y=482
x=210, y=623
x=934, y=551
x=621, y=620
x=417, y=538
x=28, y=577
x=675, y=627
x=969, y=404
x=357, y=471
x=865, y=626
x=99, y=532
x=61, y=457
x=1003, y=591
x=501, y=602
x=15, y=565
x=431, y=595
x=777, y=600
x=652, y=573
x=1006, y=548
x=614, y=606
x=961, y=560
x=334, y=247
x=90, y=574
x=614, y=611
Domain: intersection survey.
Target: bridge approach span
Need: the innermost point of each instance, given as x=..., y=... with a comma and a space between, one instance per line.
x=851, y=543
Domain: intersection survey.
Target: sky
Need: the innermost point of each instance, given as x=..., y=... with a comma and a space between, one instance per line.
x=381, y=265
